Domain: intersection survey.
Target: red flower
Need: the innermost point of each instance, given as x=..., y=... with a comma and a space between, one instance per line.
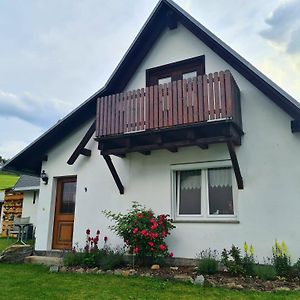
x=98, y=232
x=154, y=235
x=88, y=231
x=135, y=230
x=171, y=254
x=136, y=250
x=154, y=226
x=152, y=249
x=162, y=247
x=105, y=239
x=151, y=244
x=139, y=215
x=96, y=239
x=163, y=234
x=144, y=232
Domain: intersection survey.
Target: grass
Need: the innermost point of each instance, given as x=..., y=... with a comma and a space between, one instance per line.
x=35, y=282
x=7, y=180
x=4, y=243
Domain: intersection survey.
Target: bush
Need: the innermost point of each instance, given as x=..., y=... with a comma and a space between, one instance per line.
x=265, y=272
x=91, y=256
x=237, y=264
x=207, y=262
x=296, y=269
x=143, y=233
x=281, y=259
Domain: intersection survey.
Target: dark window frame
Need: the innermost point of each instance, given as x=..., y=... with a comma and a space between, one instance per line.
x=176, y=70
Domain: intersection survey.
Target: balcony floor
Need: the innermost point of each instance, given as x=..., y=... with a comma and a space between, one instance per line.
x=172, y=138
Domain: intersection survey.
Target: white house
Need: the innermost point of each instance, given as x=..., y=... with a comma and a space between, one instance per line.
x=185, y=126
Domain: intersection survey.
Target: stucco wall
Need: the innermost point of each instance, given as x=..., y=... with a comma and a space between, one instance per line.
x=29, y=208
x=268, y=207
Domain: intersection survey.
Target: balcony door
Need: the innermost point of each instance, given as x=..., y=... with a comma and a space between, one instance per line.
x=64, y=213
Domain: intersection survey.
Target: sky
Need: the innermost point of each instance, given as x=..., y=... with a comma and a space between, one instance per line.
x=55, y=54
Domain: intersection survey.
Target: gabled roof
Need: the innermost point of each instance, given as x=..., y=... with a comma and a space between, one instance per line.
x=29, y=160
x=27, y=183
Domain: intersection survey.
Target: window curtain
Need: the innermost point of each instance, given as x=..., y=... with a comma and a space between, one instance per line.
x=220, y=177
x=190, y=180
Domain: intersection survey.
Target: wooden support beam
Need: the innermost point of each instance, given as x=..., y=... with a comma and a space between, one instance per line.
x=114, y=173
x=295, y=126
x=85, y=152
x=175, y=144
x=79, y=149
x=235, y=164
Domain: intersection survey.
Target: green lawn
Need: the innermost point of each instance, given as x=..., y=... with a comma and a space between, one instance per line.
x=4, y=243
x=7, y=180
x=35, y=282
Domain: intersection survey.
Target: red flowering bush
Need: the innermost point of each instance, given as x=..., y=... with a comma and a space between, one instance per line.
x=143, y=232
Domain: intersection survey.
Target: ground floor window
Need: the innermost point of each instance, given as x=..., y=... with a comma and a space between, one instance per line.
x=203, y=191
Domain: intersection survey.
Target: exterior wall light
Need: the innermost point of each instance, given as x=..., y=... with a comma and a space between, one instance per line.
x=44, y=177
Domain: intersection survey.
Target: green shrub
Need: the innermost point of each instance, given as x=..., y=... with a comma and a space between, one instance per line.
x=236, y=263
x=296, y=269
x=207, y=262
x=281, y=259
x=105, y=259
x=265, y=272
x=143, y=233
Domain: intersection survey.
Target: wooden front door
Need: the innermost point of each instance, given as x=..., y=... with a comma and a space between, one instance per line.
x=64, y=213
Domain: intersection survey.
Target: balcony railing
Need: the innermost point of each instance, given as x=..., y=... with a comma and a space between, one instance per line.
x=206, y=98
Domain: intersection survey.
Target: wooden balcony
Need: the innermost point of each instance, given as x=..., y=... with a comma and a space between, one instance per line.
x=198, y=111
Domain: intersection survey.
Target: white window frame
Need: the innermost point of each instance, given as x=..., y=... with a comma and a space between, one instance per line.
x=204, y=216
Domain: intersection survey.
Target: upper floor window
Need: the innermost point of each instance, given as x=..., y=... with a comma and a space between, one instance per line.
x=183, y=69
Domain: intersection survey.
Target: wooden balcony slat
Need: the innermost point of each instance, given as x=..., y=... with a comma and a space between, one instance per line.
x=170, y=105
x=151, y=108
x=155, y=102
x=228, y=93
x=179, y=102
x=195, y=100
x=222, y=92
x=142, y=111
x=217, y=97
x=165, y=105
x=190, y=102
x=175, y=103
x=205, y=98
x=200, y=99
x=211, y=97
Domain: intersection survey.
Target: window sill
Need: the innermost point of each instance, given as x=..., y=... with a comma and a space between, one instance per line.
x=230, y=221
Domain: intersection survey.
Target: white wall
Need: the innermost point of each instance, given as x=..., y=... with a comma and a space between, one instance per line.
x=29, y=208
x=268, y=207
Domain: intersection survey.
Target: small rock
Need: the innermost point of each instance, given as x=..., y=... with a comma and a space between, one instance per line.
x=146, y=275
x=155, y=267
x=54, y=269
x=232, y=285
x=63, y=269
x=100, y=272
x=94, y=270
x=210, y=283
x=199, y=280
x=80, y=270
x=282, y=289
x=129, y=272
x=185, y=278
x=109, y=272
x=174, y=268
x=118, y=272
